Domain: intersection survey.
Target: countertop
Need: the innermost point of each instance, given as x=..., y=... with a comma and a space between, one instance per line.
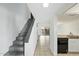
x=69, y=36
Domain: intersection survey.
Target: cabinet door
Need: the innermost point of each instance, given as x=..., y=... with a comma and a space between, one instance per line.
x=73, y=45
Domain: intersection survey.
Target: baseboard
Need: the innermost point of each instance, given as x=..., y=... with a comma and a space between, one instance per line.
x=51, y=51
x=7, y=49
x=5, y=52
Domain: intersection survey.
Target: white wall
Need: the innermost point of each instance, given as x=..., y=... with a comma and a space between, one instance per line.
x=54, y=10
x=68, y=27
x=31, y=45
x=53, y=35
x=12, y=20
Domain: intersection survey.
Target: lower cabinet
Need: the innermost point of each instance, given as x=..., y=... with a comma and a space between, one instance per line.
x=66, y=45
x=73, y=45
x=62, y=45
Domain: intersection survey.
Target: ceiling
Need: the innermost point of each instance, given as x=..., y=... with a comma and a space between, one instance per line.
x=72, y=14
x=74, y=10
x=43, y=14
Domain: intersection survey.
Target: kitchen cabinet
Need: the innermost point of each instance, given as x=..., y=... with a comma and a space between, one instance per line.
x=73, y=45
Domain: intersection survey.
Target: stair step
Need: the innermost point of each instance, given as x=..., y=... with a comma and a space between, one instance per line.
x=19, y=38
x=18, y=42
x=12, y=53
x=22, y=34
x=16, y=48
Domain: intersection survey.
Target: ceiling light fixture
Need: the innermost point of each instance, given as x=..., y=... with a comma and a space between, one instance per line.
x=45, y=4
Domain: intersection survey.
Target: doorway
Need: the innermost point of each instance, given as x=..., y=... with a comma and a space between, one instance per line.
x=43, y=48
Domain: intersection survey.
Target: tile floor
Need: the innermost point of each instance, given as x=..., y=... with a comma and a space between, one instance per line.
x=42, y=48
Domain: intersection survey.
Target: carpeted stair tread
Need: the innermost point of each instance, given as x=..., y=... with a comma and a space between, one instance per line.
x=12, y=53
x=16, y=48
x=18, y=42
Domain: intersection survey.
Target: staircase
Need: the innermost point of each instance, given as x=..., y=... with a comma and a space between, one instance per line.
x=17, y=49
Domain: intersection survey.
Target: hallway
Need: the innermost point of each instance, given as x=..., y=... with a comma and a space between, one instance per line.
x=42, y=48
